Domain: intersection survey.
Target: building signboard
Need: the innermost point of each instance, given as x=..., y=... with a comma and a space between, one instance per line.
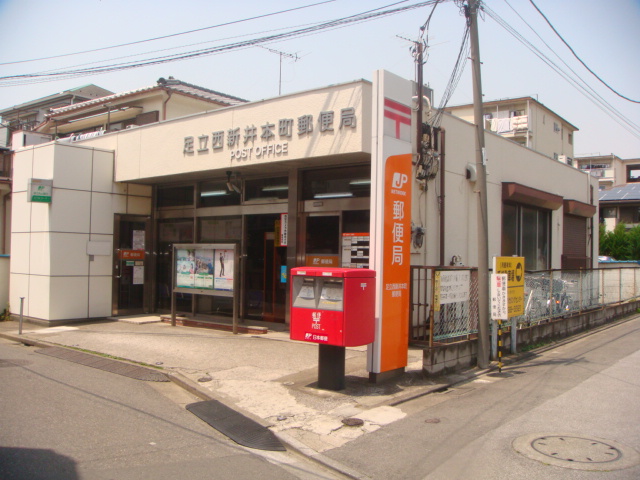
x=268, y=139
x=131, y=254
x=284, y=232
x=397, y=262
x=513, y=267
x=355, y=250
x=39, y=190
x=499, y=296
x=451, y=286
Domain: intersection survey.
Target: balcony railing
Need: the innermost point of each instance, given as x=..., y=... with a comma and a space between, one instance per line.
x=509, y=126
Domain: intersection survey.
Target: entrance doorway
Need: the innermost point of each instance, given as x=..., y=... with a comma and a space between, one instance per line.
x=265, y=285
x=130, y=265
x=327, y=236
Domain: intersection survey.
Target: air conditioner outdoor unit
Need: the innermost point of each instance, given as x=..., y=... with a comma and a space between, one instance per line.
x=565, y=159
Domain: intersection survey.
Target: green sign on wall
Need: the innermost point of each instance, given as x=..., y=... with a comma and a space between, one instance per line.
x=40, y=190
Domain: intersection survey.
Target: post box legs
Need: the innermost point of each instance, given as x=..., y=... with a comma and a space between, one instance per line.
x=331, y=361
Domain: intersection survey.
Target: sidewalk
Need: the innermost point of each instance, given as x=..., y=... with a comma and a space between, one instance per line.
x=264, y=376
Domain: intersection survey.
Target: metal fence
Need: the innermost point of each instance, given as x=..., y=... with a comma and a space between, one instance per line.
x=449, y=321
x=549, y=294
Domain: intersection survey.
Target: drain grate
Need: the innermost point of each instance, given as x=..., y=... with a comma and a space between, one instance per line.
x=576, y=452
x=107, y=364
x=236, y=426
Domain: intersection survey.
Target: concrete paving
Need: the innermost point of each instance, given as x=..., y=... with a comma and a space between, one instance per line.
x=267, y=376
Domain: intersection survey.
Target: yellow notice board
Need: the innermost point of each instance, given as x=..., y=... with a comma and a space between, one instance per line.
x=513, y=267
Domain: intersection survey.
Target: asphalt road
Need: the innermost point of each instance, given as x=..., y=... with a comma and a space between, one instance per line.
x=60, y=420
x=585, y=394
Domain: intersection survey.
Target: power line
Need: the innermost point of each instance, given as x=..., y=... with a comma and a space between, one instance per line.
x=170, y=35
x=604, y=106
x=577, y=78
x=579, y=59
x=173, y=48
x=373, y=14
x=456, y=75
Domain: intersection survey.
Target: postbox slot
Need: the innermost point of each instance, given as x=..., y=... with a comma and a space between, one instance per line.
x=331, y=296
x=305, y=292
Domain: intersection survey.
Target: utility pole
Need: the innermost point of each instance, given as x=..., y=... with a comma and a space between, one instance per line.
x=419, y=52
x=481, y=184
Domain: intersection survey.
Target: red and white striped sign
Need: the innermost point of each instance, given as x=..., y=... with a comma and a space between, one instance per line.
x=397, y=120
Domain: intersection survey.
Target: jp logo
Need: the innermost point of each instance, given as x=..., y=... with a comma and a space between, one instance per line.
x=399, y=179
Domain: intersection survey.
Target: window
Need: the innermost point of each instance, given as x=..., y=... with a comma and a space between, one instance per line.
x=633, y=173
x=344, y=182
x=218, y=194
x=175, y=196
x=267, y=189
x=526, y=233
x=630, y=215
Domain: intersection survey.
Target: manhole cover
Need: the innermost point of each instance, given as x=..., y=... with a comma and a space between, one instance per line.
x=576, y=452
x=576, y=449
x=353, y=422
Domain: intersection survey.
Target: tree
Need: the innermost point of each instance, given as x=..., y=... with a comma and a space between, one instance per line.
x=621, y=243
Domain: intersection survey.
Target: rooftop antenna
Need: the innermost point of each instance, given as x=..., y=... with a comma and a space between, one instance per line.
x=282, y=54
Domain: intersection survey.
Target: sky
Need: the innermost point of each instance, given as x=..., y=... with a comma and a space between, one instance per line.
x=604, y=34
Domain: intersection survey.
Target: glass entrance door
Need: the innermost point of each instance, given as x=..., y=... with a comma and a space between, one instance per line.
x=322, y=243
x=130, y=265
x=336, y=239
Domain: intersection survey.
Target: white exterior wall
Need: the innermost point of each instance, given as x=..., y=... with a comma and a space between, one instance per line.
x=158, y=150
x=546, y=139
x=506, y=162
x=543, y=137
x=180, y=106
x=50, y=266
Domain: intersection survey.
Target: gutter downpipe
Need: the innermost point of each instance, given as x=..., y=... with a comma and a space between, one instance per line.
x=4, y=222
x=164, y=104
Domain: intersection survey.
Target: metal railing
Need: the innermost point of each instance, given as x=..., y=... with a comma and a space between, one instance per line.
x=549, y=294
x=454, y=320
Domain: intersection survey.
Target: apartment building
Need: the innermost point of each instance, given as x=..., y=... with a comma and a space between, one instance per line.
x=527, y=122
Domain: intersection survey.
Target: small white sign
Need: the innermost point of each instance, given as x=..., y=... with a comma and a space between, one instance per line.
x=454, y=286
x=138, y=275
x=499, y=296
x=284, y=232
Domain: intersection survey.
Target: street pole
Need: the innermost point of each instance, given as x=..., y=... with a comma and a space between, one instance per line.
x=481, y=184
x=419, y=75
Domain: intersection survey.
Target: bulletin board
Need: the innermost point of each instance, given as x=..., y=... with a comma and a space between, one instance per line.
x=206, y=269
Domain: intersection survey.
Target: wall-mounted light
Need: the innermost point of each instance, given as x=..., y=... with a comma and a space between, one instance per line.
x=213, y=193
x=275, y=188
x=333, y=195
x=360, y=181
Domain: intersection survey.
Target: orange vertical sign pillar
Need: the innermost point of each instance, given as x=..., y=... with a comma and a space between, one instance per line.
x=396, y=265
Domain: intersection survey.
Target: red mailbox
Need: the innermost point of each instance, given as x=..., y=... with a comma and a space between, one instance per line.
x=333, y=306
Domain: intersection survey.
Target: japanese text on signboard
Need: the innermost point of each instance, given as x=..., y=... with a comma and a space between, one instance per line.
x=244, y=143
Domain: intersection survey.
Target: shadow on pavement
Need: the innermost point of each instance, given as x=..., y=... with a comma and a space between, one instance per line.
x=35, y=464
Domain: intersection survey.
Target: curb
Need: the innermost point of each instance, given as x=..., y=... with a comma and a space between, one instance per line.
x=190, y=386
x=289, y=442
